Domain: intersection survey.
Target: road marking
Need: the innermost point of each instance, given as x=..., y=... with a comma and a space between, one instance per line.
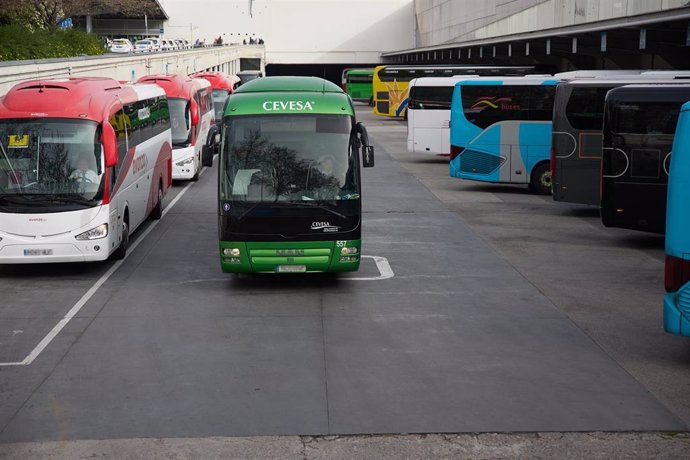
x=96, y=286
x=385, y=270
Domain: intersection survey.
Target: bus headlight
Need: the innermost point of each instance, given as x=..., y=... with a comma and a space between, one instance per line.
x=347, y=251
x=186, y=162
x=95, y=233
x=234, y=252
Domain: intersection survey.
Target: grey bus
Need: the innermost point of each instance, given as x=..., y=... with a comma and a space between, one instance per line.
x=576, y=143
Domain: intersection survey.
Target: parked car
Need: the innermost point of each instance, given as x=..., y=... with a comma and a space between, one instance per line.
x=179, y=43
x=157, y=43
x=167, y=45
x=143, y=46
x=187, y=45
x=121, y=45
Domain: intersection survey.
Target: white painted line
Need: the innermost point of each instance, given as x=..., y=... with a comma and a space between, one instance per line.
x=385, y=270
x=86, y=297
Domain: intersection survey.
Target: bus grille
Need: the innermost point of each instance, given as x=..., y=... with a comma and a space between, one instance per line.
x=475, y=162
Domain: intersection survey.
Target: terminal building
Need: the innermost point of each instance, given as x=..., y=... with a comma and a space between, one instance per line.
x=559, y=34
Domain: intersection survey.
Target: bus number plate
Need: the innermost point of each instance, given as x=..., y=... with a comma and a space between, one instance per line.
x=38, y=252
x=291, y=268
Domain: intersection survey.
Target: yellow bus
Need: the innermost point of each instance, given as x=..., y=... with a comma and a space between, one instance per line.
x=391, y=82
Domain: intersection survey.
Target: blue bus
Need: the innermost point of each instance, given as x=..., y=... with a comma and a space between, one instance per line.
x=677, y=276
x=501, y=131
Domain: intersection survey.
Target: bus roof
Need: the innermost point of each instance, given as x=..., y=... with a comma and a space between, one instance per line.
x=498, y=81
x=628, y=79
x=648, y=93
x=434, y=67
x=291, y=95
x=440, y=81
x=360, y=72
x=179, y=86
x=87, y=98
x=289, y=84
x=218, y=80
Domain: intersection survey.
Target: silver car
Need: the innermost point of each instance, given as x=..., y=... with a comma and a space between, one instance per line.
x=143, y=46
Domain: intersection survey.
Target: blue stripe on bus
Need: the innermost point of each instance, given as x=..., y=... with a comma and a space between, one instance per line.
x=401, y=107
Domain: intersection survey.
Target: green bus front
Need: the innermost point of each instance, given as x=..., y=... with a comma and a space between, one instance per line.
x=289, y=183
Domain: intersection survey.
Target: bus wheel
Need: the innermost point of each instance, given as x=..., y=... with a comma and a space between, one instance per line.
x=541, y=179
x=121, y=250
x=157, y=211
x=195, y=177
x=371, y=102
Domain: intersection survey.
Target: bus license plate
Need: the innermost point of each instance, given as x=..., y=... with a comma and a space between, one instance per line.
x=38, y=252
x=291, y=268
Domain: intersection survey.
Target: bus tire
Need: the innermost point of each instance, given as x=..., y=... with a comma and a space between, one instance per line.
x=121, y=250
x=157, y=211
x=540, y=181
x=371, y=102
x=195, y=177
x=207, y=156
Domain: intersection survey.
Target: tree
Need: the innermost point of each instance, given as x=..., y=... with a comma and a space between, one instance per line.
x=49, y=13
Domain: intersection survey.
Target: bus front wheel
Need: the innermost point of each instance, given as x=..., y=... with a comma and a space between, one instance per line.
x=371, y=102
x=121, y=250
x=540, y=182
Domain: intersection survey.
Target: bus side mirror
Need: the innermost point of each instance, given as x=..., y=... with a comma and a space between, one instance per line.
x=109, y=140
x=194, y=109
x=367, y=150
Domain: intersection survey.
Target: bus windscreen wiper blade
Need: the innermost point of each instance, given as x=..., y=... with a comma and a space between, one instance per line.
x=312, y=204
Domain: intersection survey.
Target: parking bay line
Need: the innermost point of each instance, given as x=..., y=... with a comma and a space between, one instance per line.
x=96, y=286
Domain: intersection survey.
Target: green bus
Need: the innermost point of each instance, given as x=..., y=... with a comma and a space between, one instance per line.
x=359, y=85
x=289, y=178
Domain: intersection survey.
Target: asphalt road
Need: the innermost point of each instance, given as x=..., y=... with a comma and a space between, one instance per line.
x=507, y=312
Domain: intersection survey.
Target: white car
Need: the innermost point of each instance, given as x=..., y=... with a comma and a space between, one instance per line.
x=121, y=45
x=143, y=46
x=179, y=43
x=186, y=44
x=168, y=45
x=156, y=42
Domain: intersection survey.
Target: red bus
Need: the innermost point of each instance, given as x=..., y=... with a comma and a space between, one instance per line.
x=83, y=162
x=191, y=118
x=221, y=89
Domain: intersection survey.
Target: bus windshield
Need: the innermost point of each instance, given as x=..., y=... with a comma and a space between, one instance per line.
x=219, y=97
x=290, y=158
x=50, y=161
x=180, y=121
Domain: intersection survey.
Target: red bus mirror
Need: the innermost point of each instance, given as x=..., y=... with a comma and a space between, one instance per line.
x=109, y=141
x=194, y=109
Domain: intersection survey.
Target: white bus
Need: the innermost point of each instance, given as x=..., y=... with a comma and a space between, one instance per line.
x=428, y=114
x=83, y=162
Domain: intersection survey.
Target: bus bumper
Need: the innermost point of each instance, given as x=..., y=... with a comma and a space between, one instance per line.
x=290, y=257
x=53, y=250
x=674, y=321
x=185, y=163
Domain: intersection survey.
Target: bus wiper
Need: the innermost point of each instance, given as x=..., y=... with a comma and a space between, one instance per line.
x=250, y=209
x=313, y=204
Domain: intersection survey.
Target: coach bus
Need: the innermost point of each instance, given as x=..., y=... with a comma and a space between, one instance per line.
x=191, y=119
x=391, y=82
x=577, y=121
x=677, y=272
x=289, y=178
x=221, y=88
x=359, y=85
x=501, y=131
x=83, y=162
x=428, y=114
x=639, y=125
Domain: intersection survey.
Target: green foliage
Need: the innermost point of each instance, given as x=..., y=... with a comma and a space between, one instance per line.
x=18, y=42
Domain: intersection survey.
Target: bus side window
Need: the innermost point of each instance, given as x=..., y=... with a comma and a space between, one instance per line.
x=541, y=103
x=119, y=123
